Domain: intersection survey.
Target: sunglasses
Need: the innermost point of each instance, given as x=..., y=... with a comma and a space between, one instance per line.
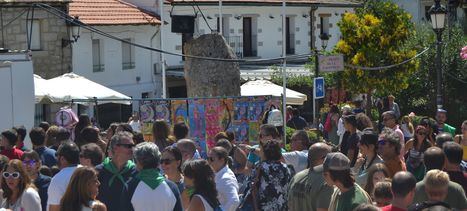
x=14, y=175
x=128, y=146
x=29, y=162
x=166, y=161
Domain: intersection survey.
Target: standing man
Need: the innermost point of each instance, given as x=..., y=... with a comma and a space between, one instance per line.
x=347, y=194
x=298, y=157
x=393, y=106
x=307, y=190
x=442, y=125
x=67, y=160
x=117, y=175
x=296, y=122
x=188, y=149
x=46, y=154
x=389, y=148
x=452, y=166
x=21, y=130
x=390, y=121
x=226, y=183
x=403, y=191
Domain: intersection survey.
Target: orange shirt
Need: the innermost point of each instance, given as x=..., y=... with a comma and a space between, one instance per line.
x=395, y=165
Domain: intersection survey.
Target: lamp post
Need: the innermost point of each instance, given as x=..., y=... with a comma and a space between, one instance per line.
x=438, y=16
x=324, y=43
x=75, y=30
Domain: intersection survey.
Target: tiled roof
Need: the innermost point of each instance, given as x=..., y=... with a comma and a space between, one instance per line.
x=110, y=12
x=33, y=1
x=322, y=2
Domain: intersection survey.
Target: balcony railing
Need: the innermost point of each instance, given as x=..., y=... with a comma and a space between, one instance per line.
x=98, y=68
x=235, y=43
x=128, y=65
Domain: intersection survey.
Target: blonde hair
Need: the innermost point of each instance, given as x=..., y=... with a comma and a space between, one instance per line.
x=436, y=179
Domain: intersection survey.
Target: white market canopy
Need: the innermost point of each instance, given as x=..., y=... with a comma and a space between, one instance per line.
x=264, y=87
x=70, y=86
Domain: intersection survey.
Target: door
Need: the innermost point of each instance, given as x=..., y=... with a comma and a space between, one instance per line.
x=288, y=46
x=247, y=32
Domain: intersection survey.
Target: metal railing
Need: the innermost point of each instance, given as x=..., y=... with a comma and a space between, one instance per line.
x=235, y=43
x=98, y=68
x=128, y=65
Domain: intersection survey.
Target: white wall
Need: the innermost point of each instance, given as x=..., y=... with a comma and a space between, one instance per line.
x=269, y=35
x=17, y=93
x=113, y=75
x=336, y=16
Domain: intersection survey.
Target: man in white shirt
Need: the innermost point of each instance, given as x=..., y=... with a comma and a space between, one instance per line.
x=67, y=159
x=298, y=157
x=226, y=183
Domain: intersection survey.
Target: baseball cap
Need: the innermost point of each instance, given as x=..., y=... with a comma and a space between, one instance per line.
x=336, y=161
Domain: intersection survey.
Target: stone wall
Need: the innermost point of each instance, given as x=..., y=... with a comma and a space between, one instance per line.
x=51, y=59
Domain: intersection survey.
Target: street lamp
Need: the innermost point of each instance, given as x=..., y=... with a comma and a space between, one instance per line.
x=75, y=28
x=438, y=16
x=324, y=40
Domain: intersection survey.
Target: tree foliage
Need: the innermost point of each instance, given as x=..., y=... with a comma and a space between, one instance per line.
x=374, y=36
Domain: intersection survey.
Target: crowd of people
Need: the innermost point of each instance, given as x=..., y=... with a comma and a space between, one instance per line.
x=406, y=166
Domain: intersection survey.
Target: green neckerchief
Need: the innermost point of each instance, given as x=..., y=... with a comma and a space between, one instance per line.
x=152, y=177
x=115, y=173
x=190, y=191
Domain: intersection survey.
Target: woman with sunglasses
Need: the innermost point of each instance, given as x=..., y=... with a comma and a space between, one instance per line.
x=82, y=191
x=171, y=162
x=32, y=164
x=18, y=191
x=414, y=149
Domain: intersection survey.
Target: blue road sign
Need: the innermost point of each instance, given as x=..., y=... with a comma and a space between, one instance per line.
x=318, y=91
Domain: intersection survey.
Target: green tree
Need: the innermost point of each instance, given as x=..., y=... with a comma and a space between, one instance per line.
x=420, y=96
x=374, y=36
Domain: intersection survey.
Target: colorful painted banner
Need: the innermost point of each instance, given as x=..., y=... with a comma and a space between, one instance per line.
x=146, y=111
x=196, y=117
x=179, y=111
x=162, y=108
x=213, y=117
x=241, y=109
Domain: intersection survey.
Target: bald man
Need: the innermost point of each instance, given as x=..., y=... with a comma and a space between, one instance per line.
x=307, y=189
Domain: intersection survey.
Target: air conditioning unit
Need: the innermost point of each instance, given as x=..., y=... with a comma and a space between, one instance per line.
x=157, y=68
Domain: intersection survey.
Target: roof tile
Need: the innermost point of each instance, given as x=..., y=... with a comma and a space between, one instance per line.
x=110, y=12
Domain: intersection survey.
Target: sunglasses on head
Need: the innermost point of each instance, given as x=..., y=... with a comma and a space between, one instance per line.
x=166, y=161
x=29, y=162
x=128, y=146
x=382, y=142
x=14, y=175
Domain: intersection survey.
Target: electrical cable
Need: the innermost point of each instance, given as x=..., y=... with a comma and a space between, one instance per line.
x=454, y=77
x=202, y=15
x=388, y=66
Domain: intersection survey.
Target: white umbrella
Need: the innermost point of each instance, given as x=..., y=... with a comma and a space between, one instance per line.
x=41, y=89
x=264, y=87
x=71, y=86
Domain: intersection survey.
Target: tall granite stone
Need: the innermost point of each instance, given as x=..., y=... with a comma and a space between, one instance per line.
x=206, y=78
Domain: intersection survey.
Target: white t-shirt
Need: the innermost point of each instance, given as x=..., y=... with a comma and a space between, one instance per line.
x=227, y=189
x=147, y=199
x=58, y=185
x=298, y=159
x=29, y=200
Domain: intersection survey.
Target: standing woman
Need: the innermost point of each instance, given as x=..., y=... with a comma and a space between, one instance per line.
x=414, y=149
x=200, y=186
x=83, y=122
x=369, y=157
x=462, y=139
x=82, y=191
x=160, y=132
x=18, y=191
x=407, y=128
x=171, y=162
x=331, y=126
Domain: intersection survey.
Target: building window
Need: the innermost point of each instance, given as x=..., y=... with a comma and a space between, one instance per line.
x=128, y=55
x=324, y=21
x=97, y=63
x=35, y=35
x=225, y=26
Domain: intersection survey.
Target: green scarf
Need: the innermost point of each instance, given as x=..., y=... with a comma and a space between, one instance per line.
x=152, y=177
x=117, y=174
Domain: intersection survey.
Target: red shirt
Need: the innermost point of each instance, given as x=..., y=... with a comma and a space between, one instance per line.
x=12, y=153
x=392, y=208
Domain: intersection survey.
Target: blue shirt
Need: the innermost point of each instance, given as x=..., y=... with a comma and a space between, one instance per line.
x=47, y=156
x=42, y=184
